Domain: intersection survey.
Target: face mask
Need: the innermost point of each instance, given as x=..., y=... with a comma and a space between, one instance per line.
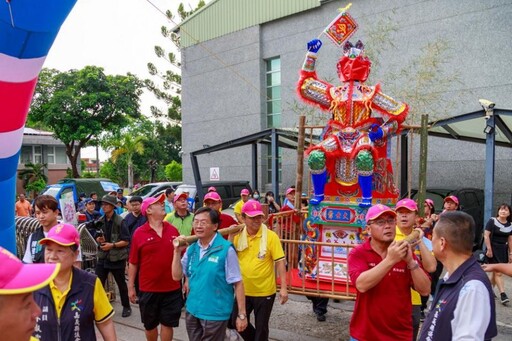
x=256, y=196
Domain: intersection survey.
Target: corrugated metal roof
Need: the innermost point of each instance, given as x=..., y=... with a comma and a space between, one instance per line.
x=221, y=17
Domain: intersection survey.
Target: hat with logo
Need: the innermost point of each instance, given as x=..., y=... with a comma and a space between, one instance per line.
x=120, y=190
x=212, y=196
x=452, y=198
x=408, y=204
x=181, y=195
x=18, y=278
x=377, y=210
x=245, y=191
x=88, y=200
x=150, y=201
x=62, y=234
x=109, y=199
x=252, y=208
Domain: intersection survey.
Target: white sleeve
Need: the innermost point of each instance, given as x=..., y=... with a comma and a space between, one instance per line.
x=473, y=298
x=79, y=257
x=27, y=257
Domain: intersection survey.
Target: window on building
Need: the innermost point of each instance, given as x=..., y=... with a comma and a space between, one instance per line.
x=273, y=105
x=273, y=92
x=60, y=155
x=26, y=154
x=33, y=154
x=50, y=154
x=38, y=154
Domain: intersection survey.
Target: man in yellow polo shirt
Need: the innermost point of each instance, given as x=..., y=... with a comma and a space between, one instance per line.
x=237, y=209
x=407, y=214
x=259, y=253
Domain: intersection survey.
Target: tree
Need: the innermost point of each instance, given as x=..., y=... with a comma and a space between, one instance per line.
x=174, y=171
x=168, y=85
x=33, y=177
x=79, y=105
x=128, y=145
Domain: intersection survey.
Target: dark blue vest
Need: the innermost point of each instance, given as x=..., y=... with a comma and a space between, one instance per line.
x=437, y=325
x=77, y=317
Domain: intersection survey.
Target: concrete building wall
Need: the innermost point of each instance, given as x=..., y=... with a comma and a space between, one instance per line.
x=223, y=81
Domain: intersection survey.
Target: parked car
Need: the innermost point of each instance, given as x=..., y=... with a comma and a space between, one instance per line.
x=74, y=187
x=229, y=191
x=153, y=189
x=471, y=201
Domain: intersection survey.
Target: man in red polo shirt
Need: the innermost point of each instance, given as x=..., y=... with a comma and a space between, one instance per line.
x=151, y=253
x=384, y=271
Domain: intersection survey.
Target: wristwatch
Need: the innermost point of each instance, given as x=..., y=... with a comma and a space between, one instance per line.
x=242, y=316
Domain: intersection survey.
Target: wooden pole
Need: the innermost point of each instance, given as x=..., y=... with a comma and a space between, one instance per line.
x=190, y=239
x=300, y=162
x=422, y=182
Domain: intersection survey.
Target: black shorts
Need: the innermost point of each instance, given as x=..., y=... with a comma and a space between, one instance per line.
x=160, y=308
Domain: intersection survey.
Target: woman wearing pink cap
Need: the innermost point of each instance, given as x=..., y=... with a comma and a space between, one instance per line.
x=18, y=281
x=75, y=301
x=427, y=222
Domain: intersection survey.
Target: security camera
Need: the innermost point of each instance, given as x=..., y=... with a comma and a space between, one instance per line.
x=486, y=104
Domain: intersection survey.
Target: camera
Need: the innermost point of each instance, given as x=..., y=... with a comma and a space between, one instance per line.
x=95, y=228
x=486, y=104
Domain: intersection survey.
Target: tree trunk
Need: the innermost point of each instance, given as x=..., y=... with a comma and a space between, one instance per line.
x=73, y=156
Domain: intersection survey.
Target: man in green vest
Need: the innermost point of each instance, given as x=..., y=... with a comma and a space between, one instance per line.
x=213, y=273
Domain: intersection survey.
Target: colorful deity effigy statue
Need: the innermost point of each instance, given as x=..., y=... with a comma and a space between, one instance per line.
x=354, y=146
x=350, y=168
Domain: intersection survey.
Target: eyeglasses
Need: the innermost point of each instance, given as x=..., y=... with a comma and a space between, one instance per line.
x=383, y=222
x=200, y=223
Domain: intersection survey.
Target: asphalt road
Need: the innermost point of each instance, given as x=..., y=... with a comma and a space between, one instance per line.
x=295, y=321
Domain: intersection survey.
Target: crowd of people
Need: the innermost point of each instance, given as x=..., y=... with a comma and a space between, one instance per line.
x=394, y=271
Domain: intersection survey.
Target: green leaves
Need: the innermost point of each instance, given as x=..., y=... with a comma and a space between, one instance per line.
x=79, y=105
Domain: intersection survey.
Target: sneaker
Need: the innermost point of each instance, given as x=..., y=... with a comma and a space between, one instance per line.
x=126, y=312
x=504, y=298
x=320, y=317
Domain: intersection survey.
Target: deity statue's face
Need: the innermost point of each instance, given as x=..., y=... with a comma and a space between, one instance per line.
x=354, y=68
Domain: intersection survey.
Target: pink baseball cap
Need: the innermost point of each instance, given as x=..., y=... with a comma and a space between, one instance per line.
x=181, y=195
x=18, y=278
x=150, y=201
x=289, y=190
x=430, y=202
x=212, y=196
x=252, y=208
x=62, y=234
x=377, y=210
x=245, y=191
x=452, y=198
x=408, y=204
